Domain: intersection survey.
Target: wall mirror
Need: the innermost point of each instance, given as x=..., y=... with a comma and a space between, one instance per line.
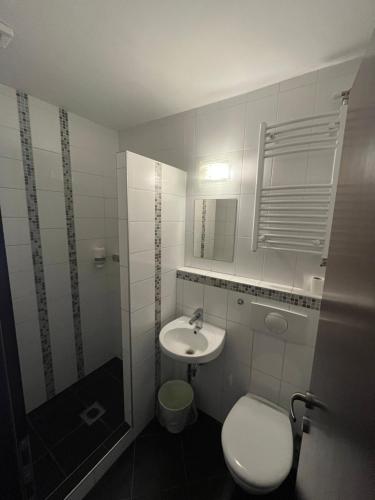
x=215, y=228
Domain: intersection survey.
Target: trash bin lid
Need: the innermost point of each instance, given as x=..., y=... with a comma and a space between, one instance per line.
x=175, y=395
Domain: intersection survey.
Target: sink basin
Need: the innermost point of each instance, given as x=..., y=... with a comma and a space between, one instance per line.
x=184, y=342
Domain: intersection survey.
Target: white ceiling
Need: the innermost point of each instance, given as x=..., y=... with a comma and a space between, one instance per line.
x=124, y=62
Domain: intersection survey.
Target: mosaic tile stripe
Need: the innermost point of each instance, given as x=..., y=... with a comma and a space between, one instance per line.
x=35, y=238
x=203, y=235
x=158, y=170
x=256, y=291
x=72, y=248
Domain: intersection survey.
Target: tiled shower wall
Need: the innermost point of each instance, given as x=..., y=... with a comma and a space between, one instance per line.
x=93, y=315
x=152, y=199
x=228, y=130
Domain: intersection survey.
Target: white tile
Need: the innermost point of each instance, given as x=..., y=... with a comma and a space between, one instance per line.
x=88, y=228
x=51, y=208
x=279, y=267
x=110, y=207
x=248, y=263
x=221, y=130
x=31, y=363
x=215, y=301
x=62, y=342
x=249, y=170
x=193, y=294
x=173, y=180
x=289, y=169
x=265, y=386
x=262, y=110
x=57, y=279
x=299, y=81
x=87, y=134
x=296, y=103
x=109, y=187
x=92, y=161
x=19, y=258
x=168, y=283
x=142, y=294
x=141, y=236
x=143, y=346
x=172, y=258
x=168, y=307
x=123, y=242
x=13, y=202
x=298, y=364
x=141, y=205
x=122, y=194
x=16, y=231
x=54, y=245
x=142, y=320
x=237, y=311
x=141, y=171
x=208, y=387
x=88, y=206
x=87, y=184
x=45, y=127
x=172, y=207
x=236, y=378
x=319, y=167
x=141, y=265
x=172, y=233
x=11, y=173
x=238, y=344
x=9, y=112
x=111, y=228
x=246, y=216
x=10, y=145
x=8, y=91
x=143, y=392
x=22, y=283
x=48, y=170
x=268, y=354
x=25, y=308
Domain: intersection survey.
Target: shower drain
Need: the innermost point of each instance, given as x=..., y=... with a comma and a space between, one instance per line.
x=92, y=413
x=189, y=351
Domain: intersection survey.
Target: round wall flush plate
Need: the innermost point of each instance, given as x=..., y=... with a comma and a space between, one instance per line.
x=276, y=323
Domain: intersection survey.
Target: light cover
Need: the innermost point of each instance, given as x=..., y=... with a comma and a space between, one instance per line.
x=215, y=171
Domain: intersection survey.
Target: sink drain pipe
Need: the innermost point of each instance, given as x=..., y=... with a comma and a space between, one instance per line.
x=191, y=372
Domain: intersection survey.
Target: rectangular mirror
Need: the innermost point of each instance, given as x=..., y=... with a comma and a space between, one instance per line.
x=215, y=228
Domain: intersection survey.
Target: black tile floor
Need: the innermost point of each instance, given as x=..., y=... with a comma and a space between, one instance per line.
x=64, y=448
x=187, y=466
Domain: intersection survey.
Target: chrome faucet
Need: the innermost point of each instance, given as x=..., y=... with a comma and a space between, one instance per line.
x=197, y=318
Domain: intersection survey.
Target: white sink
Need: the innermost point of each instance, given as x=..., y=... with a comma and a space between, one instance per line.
x=185, y=342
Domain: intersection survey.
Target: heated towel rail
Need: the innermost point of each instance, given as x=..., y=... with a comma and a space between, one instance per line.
x=298, y=217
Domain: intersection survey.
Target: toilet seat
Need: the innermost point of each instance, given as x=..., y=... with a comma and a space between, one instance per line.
x=257, y=442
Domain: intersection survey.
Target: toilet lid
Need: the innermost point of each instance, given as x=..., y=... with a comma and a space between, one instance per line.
x=258, y=442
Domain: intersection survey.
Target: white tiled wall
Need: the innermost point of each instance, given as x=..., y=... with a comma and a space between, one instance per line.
x=93, y=155
x=251, y=360
x=136, y=192
x=229, y=130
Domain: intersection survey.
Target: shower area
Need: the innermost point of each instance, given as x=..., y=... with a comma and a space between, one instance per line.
x=59, y=218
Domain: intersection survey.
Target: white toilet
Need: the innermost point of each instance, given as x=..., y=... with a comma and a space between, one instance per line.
x=257, y=443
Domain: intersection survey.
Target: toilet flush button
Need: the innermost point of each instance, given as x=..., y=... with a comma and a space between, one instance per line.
x=276, y=323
